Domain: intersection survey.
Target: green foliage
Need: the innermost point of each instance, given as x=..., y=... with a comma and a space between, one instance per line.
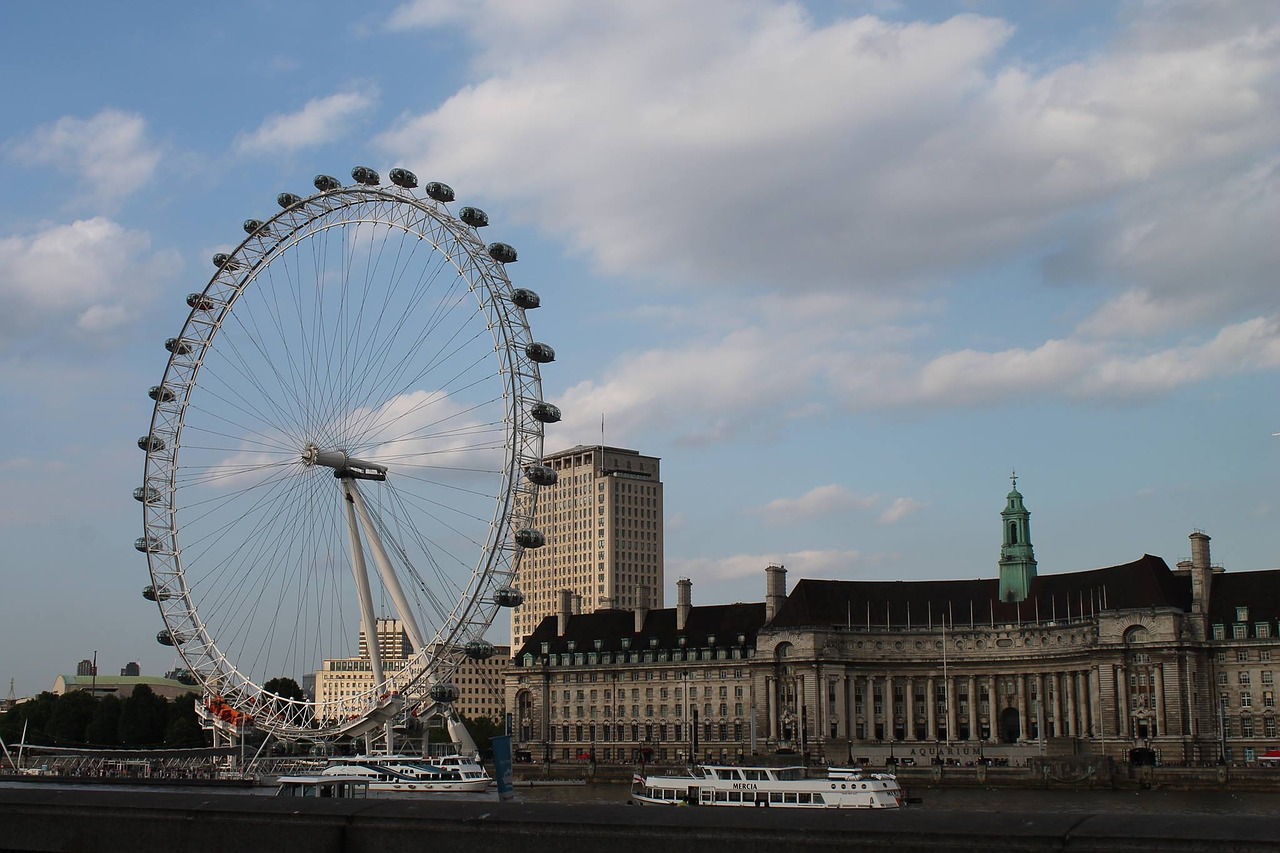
x=483, y=730
x=285, y=688
x=77, y=718
x=71, y=715
x=104, y=728
x=142, y=717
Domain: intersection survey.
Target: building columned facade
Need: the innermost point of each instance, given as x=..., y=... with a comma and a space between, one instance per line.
x=1130, y=656
x=602, y=523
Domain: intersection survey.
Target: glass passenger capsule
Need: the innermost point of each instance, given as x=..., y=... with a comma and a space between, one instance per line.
x=223, y=261
x=541, y=353
x=147, y=495
x=502, y=253
x=200, y=301
x=403, y=178
x=288, y=200
x=365, y=175
x=147, y=544
x=151, y=593
x=479, y=650
x=439, y=192
x=325, y=183
x=546, y=413
x=251, y=225
x=167, y=638
x=177, y=346
x=541, y=475
x=444, y=692
x=474, y=216
x=524, y=298
x=161, y=394
x=529, y=538
x=508, y=596
x=152, y=443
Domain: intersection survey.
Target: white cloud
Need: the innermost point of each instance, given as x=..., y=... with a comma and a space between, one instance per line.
x=321, y=120
x=900, y=509
x=109, y=151
x=916, y=153
x=799, y=564
x=818, y=502
x=93, y=274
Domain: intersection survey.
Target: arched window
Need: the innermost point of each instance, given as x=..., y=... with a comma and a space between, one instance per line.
x=1013, y=533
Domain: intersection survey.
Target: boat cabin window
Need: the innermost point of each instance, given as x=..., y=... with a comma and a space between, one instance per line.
x=818, y=800
x=775, y=796
x=727, y=773
x=789, y=796
x=804, y=798
x=735, y=796
x=756, y=775
x=722, y=796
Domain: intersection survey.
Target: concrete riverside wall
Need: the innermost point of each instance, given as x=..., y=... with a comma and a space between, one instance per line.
x=90, y=821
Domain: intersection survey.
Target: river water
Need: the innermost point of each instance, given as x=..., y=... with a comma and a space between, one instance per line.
x=932, y=799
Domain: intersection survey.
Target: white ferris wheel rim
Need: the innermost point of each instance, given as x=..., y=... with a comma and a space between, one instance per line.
x=203, y=617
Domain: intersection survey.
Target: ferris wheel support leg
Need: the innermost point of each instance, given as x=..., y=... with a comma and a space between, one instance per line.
x=361, y=573
x=388, y=572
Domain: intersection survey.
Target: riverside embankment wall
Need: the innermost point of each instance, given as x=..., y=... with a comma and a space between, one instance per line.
x=53, y=821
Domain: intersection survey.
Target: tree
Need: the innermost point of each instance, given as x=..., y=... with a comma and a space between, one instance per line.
x=483, y=730
x=183, y=727
x=104, y=728
x=142, y=718
x=72, y=713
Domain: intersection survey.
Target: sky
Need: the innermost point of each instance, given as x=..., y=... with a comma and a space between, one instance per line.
x=844, y=266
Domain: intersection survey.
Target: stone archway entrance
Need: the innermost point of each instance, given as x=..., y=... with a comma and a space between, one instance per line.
x=1010, y=725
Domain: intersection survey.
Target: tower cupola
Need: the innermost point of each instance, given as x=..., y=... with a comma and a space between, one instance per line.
x=1017, y=557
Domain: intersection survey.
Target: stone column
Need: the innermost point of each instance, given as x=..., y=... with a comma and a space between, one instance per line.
x=1095, y=704
x=841, y=712
x=1070, y=686
x=869, y=705
x=973, y=708
x=1082, y=704
x=1122, y=702
x=993, y=711
x=771, y=704
x=1055, y=707
x=931, y=708
x=1022, y=707
x=1157, y=676
x=952, y=708
x=910, y=707
x=888, y=708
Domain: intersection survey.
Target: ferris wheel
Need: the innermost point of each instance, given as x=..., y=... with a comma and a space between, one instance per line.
x=344, y=457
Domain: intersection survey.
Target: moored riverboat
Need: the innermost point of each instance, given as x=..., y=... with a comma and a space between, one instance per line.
x=769, y=787
x=322, y=786
x=408, y=774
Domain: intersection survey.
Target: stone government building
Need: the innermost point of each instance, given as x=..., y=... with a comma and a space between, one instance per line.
x=1092, y=662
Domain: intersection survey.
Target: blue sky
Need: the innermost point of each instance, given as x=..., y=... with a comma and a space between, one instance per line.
x=841, y=265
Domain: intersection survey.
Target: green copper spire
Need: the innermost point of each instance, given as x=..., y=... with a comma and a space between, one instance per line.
x=1017, y=557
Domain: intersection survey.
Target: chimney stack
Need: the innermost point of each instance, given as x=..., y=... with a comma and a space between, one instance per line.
x=1201, y=573
x=563, y=611
x=575, y=604
x=775, y=591
x=684, y=602
x=642, y=606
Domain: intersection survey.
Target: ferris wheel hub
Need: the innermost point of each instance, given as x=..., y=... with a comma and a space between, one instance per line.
x=343, y=464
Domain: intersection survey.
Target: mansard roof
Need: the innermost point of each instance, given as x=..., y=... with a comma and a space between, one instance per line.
x=1146, y=582
x=723, y=622
x=1259, y=591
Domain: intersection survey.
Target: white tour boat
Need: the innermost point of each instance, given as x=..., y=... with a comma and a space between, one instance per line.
x=337, y=787
x=410, y=774
x=774, y=787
